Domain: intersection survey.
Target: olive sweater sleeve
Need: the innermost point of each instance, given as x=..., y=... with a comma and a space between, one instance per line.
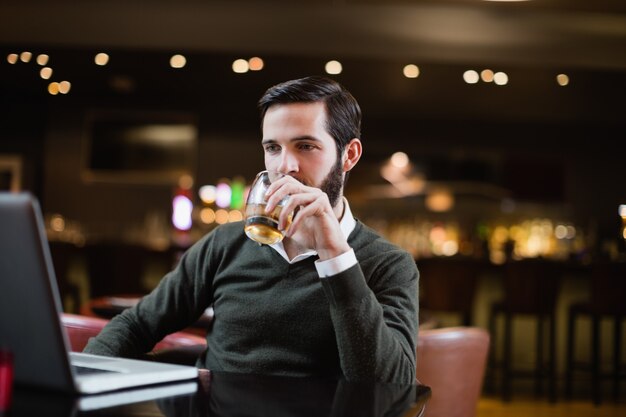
x=375, y=317
x=179, y=300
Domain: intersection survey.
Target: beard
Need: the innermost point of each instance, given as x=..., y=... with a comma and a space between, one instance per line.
x=332, y=185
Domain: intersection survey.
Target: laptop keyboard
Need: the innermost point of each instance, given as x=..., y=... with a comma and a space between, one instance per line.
x=83, y=370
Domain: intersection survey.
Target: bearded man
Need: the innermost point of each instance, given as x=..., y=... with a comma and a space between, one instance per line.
x=333, y=298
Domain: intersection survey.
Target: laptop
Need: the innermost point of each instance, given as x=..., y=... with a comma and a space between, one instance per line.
x=50, y=404
x=30, y=326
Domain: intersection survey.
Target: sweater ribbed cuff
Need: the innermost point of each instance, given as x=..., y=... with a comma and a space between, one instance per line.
x=346, y=288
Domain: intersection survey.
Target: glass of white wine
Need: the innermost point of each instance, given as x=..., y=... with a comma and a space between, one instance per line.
x=260, y=226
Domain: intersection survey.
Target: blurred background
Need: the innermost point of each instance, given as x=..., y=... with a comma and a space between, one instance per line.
x=492, y=131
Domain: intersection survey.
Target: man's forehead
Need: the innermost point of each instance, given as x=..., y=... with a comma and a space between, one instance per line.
x=295, y=122
x=303, y=109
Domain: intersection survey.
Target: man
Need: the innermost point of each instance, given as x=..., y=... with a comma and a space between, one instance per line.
x=333, y=298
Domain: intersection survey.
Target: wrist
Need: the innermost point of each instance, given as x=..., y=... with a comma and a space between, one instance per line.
x=336, y=265
x=330, y=253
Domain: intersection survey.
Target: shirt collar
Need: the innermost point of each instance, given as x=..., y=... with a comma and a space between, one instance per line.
x=347, y=222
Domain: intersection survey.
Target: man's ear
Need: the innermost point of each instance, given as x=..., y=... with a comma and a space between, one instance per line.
x=352, y=154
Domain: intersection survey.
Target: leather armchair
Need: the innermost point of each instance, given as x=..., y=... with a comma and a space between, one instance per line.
x=80, y=329
x=452, y=362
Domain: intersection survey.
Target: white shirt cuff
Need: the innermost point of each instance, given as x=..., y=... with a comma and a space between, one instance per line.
x=336, y=265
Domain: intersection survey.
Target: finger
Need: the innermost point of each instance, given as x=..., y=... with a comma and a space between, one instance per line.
x=294, y=204
x=298, y=199
x=275, y=185
x=278, y=190
x=275, y=198
x=317, y=208
x=284, y=189
x=303, y=215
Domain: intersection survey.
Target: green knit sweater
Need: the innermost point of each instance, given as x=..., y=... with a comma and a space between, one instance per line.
x=272, y=317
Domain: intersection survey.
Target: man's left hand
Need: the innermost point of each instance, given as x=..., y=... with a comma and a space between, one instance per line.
x=315, y=224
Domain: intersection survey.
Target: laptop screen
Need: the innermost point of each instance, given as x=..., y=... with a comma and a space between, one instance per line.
x=29, y=315
x=29, y=299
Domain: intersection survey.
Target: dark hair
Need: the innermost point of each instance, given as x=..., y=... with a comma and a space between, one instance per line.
x=343, y=114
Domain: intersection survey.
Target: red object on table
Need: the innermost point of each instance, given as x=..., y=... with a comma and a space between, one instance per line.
x=6, y=379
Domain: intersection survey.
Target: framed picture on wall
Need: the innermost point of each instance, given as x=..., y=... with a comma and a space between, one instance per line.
x=139, y=147
x=10, y=173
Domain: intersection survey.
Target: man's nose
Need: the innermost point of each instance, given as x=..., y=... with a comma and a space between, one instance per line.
x=288, y=163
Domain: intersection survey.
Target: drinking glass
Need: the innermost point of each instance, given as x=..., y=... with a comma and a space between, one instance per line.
x=259, y=225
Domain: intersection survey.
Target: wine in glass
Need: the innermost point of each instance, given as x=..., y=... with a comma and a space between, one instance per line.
x=259, y=225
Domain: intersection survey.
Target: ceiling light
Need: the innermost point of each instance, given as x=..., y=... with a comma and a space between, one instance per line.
x=399, y=160
x=486, y=75
x=42, y=59
x=255, y=63
x=12, y=58
x=471, y=77
x=64, y=87
x=240, y=66
x=101, y=59
x=411, y=71
x=500, y=78
x=178, y=61
x=562, y=80
x=53, y=88
x=25, y=56
x=45, y=73
x=333, y=67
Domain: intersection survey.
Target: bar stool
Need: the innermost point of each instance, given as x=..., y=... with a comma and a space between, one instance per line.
x=530, y=289
x=608, y=299
x=449, y=285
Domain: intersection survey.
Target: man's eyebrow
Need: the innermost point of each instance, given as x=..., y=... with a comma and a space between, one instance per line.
x=305, y=137
x=296, y=139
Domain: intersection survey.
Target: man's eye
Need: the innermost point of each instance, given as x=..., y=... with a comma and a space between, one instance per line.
x=306, y=147
x=272, y=148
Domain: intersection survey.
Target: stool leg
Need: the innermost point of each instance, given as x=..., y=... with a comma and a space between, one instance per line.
x=569, y=367
x=506, y=361
x=539, y=362
x=552, y=359
x=467, y=318
x=617, y=350
x=595, y=359
x=492, y=352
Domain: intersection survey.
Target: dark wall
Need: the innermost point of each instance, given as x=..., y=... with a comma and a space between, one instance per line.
x=109, y=207
x=550, y=160
x=22, y=129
